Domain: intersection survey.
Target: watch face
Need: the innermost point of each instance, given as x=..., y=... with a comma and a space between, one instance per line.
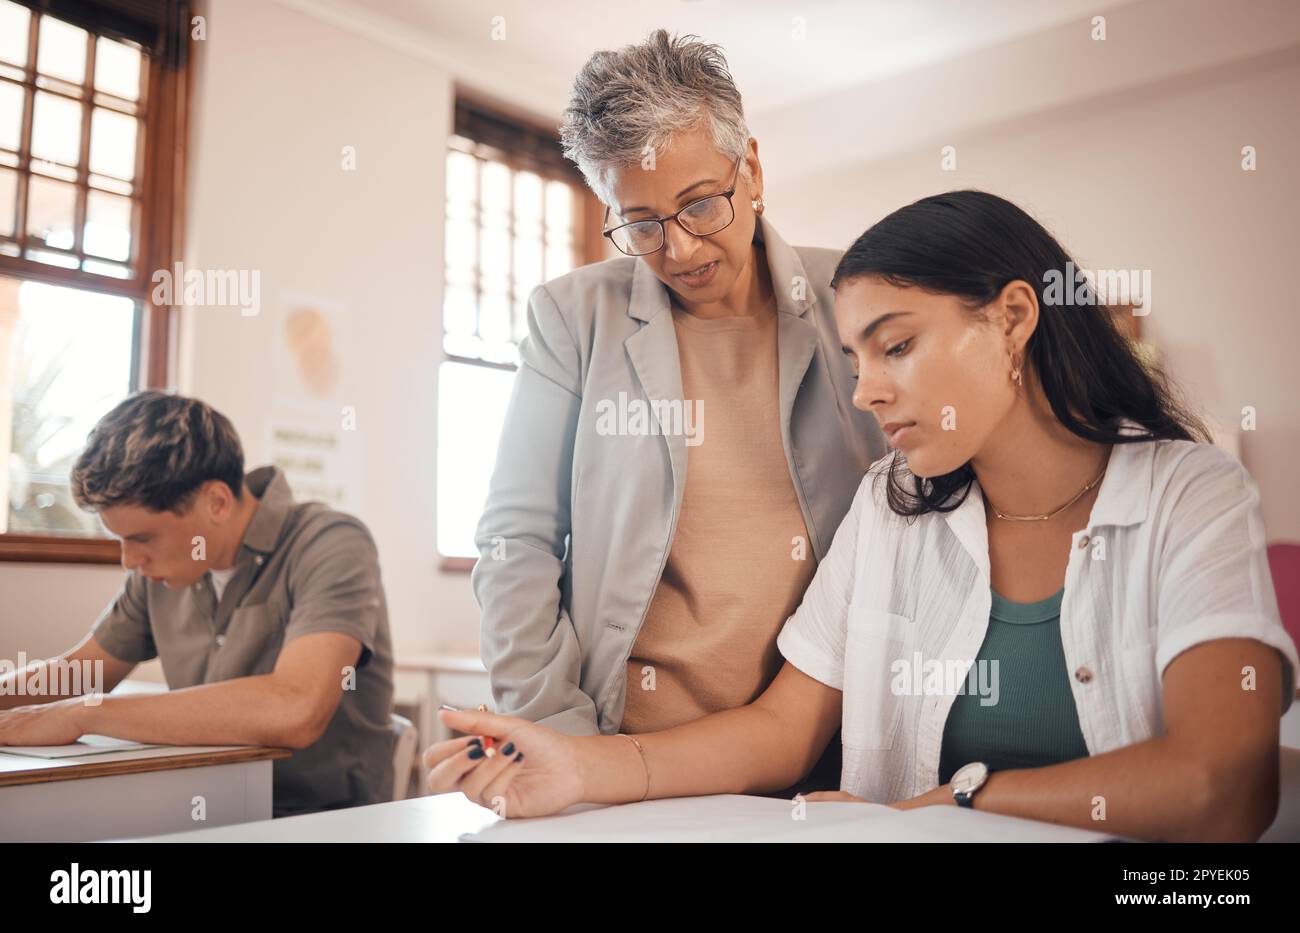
x=970, y=777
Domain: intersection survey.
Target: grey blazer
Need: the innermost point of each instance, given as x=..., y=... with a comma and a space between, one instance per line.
x=577, y=523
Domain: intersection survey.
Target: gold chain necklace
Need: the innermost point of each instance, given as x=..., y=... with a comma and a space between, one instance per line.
x=1042, y=518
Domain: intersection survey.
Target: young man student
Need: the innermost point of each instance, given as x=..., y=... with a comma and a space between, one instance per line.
x=268, y=614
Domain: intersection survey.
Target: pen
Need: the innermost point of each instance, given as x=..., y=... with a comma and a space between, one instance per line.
x=489, y=743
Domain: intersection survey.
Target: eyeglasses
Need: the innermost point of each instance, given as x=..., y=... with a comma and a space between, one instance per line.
x=702, y=217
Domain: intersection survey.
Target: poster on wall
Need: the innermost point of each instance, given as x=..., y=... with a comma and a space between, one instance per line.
x=314, y=437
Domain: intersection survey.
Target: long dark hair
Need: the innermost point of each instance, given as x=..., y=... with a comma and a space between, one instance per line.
x=971, y=244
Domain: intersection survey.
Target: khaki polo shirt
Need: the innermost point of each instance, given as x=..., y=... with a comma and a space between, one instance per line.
x=301, y=568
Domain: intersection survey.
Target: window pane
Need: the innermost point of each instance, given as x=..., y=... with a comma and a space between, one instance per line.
x=56, y=129
x=111, y=184
x=507, y=231
x=61, y=50
x=112, y=143
x=528, y=201
x=49, y=257
x=494, y=317
x=461, y=246
x=499, y=351
x=108, y=226
x=71, y=362
x=11, y=115
x=117, y=68
x=528, y=264
x=8, y=201
x=462, y=345
x=494, y=199
x=51, y=212
x=15, y=21
x=559, y=206
x=559, y=259
x=471, y=409
x=495, y=261
x=521, y=318
x=460, y=177
x=458, y=315
x=106, y=268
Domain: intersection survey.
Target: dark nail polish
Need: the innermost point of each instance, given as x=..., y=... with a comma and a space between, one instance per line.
x=476, y=752
x=519, y=757
x=509, y=749
x=476, y=741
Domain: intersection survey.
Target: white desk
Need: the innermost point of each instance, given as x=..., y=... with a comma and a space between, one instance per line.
x=440, y=818
x=129, y=793
x=445, y=817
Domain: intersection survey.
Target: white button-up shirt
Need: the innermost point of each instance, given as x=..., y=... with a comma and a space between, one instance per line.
x=1173, y=555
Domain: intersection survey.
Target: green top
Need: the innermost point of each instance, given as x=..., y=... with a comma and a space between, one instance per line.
x=1033, y=721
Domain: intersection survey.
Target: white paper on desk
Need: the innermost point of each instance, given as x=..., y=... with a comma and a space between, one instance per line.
x=740, y=818
x=86, y=745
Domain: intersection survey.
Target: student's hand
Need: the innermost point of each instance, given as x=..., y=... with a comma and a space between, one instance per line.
x=47, y=724
x=538, y=776
x=941, y=796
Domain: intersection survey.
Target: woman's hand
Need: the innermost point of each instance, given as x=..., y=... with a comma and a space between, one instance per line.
x=537, y=776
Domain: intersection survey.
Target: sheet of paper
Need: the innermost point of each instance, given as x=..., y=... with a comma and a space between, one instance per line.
x=739, y=818
x=955, y=824
x=86, y=745
x=730, y=817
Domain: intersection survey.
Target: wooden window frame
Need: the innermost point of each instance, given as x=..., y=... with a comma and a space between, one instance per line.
x=496, y=142
x=164, y=112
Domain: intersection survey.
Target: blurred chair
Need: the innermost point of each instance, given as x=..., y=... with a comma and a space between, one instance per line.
x=405, y=740
x=1286, y=827
x=1284, y=563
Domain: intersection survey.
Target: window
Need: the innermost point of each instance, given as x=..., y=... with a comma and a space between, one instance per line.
x=517, y=214
x=91, y=132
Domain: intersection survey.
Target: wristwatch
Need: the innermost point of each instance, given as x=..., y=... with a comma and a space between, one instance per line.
x=967, y=781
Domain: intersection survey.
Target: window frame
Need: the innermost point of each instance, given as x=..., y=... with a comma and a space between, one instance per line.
x=164, y=114
x=521, y=156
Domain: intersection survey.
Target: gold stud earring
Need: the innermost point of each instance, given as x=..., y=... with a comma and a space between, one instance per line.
x=757, y=204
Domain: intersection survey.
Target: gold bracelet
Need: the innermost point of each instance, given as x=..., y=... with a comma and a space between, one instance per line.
x=645, y=764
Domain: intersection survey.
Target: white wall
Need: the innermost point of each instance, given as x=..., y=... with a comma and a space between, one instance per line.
x=282, y=95
x=1146, y=178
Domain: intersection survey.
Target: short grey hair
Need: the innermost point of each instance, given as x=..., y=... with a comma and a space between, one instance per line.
x=155, y=450
x=628, y=103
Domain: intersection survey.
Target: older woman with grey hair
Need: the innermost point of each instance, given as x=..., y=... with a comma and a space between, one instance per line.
x=680, y=444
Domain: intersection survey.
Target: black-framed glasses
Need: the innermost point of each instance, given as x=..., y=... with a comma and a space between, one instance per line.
x=701, y=217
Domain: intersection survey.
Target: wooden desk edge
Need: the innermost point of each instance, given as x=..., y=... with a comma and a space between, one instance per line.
x=46, y=774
